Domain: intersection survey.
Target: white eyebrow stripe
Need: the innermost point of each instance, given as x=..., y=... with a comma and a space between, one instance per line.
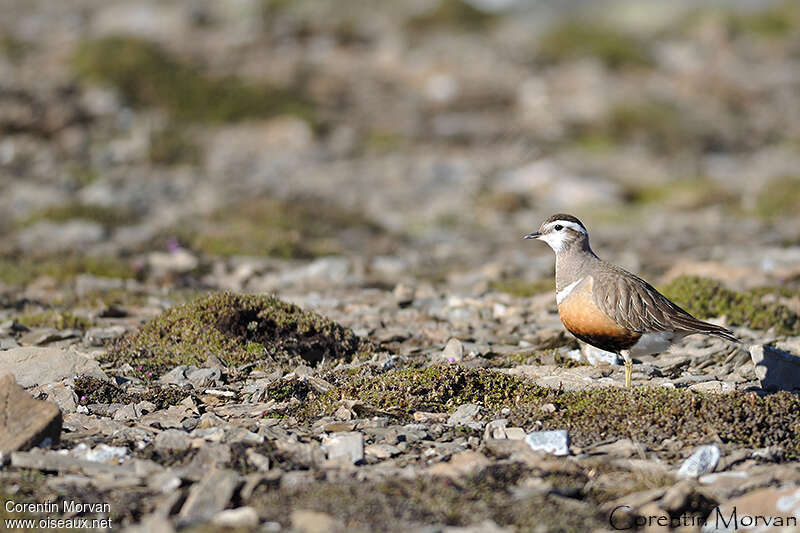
x=567, y=224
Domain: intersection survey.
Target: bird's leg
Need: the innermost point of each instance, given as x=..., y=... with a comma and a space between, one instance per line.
x=628, y=367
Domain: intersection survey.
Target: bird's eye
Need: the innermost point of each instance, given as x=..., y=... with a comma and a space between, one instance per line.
x=558, y=227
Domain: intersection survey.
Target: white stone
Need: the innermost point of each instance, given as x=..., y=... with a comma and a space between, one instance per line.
x=555, y=442
x=702, y=461
x=349, y=444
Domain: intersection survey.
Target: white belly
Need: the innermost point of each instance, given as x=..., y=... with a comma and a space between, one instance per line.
x=651, y=343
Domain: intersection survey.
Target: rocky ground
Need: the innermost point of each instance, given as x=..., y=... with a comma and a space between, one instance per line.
x=265, y=258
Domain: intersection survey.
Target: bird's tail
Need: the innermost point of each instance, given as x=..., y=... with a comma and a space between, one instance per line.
x=694, y=325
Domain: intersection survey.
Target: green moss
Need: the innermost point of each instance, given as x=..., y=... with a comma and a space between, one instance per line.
x=226, y=325
x=706, y=298
x=173, y=145
x=523, y=289
x=779, y=198
x=55, y=319
x=456, y=14
x=652, y=415
x=774, y=21
x=406, y=505
x=92, y=390
x=684, y=193
x=436, y=388
x=15, y=270
x=107, y=216
x=647, y=415
x=575, y=39
x=149, y=77
x=297, y=228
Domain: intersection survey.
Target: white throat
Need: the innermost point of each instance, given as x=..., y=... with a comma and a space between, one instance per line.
x=556, y=240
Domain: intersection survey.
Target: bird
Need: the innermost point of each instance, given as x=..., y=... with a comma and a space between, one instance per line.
x=608, y=307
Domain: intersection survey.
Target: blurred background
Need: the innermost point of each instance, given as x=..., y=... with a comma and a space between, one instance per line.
x=288, y=145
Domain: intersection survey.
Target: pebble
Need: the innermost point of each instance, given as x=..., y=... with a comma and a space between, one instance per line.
x=702, y=461
x=349, y=445
x=554, y=442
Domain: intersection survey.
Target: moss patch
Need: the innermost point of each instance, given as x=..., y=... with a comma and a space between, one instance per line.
x=400, y=505
x=16, y=270
x=107, y=216
x=683, y=194
x=296, y=228
x=99, y=391
x=576, y=39
x=658, y=124
x=455, y=14
x=706, y=298
x=522, y=288
x=779, y=198
x=775, y=21
x=225, y=324
x=147, y=76
x=54, y=319
x=173, y=145
x=653, y=415
x=648, y=415
x=436, y=388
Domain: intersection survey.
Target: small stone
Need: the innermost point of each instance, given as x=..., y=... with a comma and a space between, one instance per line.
x=172, y=440
x=348, y=444
x=515, y=433
x=234, y=518
x=460, y=464
x=496, y=429
x=702, y=461
x=257, y=460
x=404, y=294
x=382, y=451
x=209, y=496
x=555, y=442
x=164, y=482
x=24, y=421
x=547, y=408
x=306, y=521
x=775, y=369
x=453, y=352
x=464, y=415
x=426, y=417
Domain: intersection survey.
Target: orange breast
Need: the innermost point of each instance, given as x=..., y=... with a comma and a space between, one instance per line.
x=585, y=320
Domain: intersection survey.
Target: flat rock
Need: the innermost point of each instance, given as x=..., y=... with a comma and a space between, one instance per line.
x=172, y=440
x=24, y=421
x=702, y=461
x=307, y=521
x=555, y=442
x=348, y=444
x=244, y=517
x=775, y=369
x=460, y=464
x=776, y=509
x=464, y=415
x=33, y=366
x=209, y=496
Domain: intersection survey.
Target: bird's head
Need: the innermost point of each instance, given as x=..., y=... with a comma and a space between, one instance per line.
x=562, y=232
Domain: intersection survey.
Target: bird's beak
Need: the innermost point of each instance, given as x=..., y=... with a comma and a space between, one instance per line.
x=532, y=235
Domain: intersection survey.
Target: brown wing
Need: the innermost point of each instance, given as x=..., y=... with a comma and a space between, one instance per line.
x=638, y=306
